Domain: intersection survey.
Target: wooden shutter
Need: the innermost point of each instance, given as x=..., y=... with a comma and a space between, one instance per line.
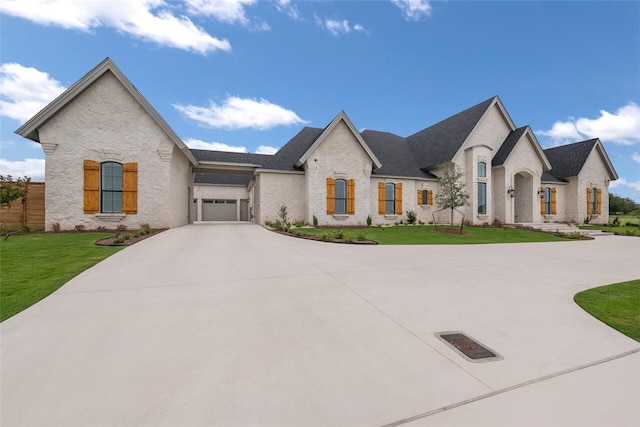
x=553, y=201
x=381, y=198
x=542, y=200
x=599, y=201
x=130, y=188
x=91, y=187
x=399, y=198
x=430, y=197
x=420, y=197
x=588, y=201
x=351, y=197
x=331, y=196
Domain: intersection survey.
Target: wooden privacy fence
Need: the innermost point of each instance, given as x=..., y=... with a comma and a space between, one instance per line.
x=28, y=211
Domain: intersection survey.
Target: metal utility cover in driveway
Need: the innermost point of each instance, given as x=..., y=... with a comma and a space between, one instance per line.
x=469, y=348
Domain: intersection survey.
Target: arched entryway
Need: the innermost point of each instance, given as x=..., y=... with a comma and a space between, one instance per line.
x=523, y=197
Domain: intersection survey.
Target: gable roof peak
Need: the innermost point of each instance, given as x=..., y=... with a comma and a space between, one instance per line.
x=29, y=130
x=342, y=116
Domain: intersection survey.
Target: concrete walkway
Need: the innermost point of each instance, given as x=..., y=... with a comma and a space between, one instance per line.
x=232, y=325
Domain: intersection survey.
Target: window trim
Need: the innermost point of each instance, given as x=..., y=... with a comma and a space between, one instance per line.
x=389, y=187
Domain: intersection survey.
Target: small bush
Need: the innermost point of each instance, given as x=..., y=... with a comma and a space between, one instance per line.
x=411, y=217
x=587, y=220
x=368, y=220
x=300, y=223
x=282, y=214
x=78, y=228
x=631, y=224
x=55, y=227
x=121, y=227
x=339, y=234
x=315, y=221
x=348, y=237
x=616, y=222
x=361, y=236
x=325, y=236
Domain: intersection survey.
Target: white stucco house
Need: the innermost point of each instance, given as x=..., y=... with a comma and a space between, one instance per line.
x=112, y=159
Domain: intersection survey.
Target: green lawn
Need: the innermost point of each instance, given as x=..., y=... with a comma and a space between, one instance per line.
x=622, y=227
x=427, y=235
x=35, y=265
x=616, y=305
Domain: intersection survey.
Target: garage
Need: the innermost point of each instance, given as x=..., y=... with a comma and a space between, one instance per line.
x=219, y=210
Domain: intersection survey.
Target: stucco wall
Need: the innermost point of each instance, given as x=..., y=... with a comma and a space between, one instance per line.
x=105, y=123
x=523, y=160
x=491, y=130
x=181, y=183
x=593, y=174
x=339, y=156
x=277, y=189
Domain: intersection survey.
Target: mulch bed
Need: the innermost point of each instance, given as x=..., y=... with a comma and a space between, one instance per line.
x=450, y=231
x=111, y=241
x=320, y=239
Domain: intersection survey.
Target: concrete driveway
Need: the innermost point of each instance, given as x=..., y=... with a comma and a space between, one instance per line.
x=232, y=325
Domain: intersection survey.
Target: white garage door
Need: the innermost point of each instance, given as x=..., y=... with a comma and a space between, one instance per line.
x=219, y=210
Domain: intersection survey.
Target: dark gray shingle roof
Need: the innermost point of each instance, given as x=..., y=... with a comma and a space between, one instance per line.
x=567, y=160
x=507, y=146
x=394, y=153
x=440, y=142
x=547, y=177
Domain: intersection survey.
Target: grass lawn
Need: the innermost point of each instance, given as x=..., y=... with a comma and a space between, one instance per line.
x=427, y=235
x=35, y=265
x=622, y=227
x=616, y=305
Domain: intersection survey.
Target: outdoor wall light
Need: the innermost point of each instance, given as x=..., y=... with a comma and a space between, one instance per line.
x=511, y=192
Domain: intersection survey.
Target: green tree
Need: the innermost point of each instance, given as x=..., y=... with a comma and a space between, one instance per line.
x=451, y=194
x=623, y=205
x=10, y=191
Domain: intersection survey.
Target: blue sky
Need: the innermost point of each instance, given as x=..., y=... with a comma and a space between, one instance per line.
x=247, y=75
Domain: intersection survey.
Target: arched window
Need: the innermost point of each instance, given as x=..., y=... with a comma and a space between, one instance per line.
x=482, y=170
x=111, y=187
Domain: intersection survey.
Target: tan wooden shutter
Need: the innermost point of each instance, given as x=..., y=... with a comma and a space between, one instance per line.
x=331, y=196
x=91, y=187
x=351, y=197
x=399, y=198
x=599, y=201
x=553, y=201
x=588, y=201
x=130, y=188
x=542, y=200
x=430, y=197
x=419, y=197
x=381, y=198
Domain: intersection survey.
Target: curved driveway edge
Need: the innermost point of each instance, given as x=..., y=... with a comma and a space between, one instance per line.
x=230, y=324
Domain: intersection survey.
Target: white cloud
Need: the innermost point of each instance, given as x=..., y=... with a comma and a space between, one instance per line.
x=150, y=20
x=621, y=182
x=636, y=157
x=241, y=113
x=215, y=146
x=285, y=6
x=413, y=10
x=337, y=27
x=264, y=149
x=621, y=127
x=33, y=168
x=228, y=11
x=24, y=91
